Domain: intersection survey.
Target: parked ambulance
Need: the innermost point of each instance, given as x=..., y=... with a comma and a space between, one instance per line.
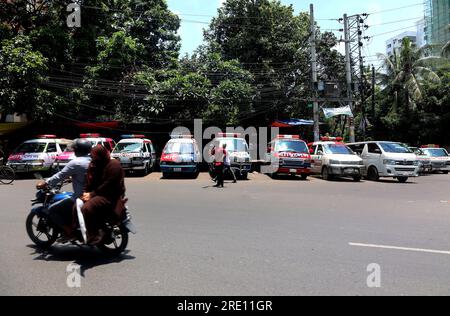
x=440, y=160
x=135, y=153
x=37, y=155
x=181, y=155
x=288, y=154
x=387, y=159
x=332, y=158
x=68, y=155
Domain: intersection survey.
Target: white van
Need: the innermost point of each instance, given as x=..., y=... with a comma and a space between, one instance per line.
x=387, y=159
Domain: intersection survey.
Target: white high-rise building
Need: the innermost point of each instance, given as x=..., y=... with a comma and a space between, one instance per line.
x=395, y=43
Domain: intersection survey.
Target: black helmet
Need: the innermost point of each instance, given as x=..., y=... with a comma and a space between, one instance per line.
x=81, y=147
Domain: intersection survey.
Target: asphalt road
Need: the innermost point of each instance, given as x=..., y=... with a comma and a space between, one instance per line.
x=257, y=237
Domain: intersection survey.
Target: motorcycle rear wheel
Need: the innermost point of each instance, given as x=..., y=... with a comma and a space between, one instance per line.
x=38, y=227
x=117, y=244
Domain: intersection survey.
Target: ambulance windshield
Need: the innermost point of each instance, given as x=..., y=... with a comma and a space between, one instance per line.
x=31, y=148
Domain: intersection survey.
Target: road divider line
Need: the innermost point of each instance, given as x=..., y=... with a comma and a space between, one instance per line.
x=441, y=252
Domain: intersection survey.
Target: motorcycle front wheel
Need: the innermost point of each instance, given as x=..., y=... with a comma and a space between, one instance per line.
x=116, y=242
x=40, y=232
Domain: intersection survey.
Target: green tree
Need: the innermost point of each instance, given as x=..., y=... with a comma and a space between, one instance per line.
x=405, y=74
x=21, y=71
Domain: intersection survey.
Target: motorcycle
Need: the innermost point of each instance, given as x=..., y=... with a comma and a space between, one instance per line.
x=44, y=233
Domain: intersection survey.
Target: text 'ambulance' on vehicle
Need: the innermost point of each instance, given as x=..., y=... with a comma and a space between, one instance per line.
x=37, y=155
x=181, y=155
x=288, y=154
x=135, y=153
x=332, y=158
x=68, y=155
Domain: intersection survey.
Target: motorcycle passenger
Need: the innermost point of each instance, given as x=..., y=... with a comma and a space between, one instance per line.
x=61, y=212
x=105, y=190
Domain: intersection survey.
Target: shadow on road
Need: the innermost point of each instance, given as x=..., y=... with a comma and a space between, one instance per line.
x=86, y=257
x=286, y=178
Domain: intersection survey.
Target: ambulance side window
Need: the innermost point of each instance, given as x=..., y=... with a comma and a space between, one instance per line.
x=319, y=151
x=374, y=149
x=51, y=148
x=358, y=149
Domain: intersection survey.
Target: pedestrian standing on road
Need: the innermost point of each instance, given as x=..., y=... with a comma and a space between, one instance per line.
x=219, y=154
x=228, y=163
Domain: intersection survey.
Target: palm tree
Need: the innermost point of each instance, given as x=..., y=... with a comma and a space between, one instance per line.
x=406, y=72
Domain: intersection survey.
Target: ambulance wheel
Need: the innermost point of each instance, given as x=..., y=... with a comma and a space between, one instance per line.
x=326, y=174
x=372, y=174
x=402, y=179
x=357, y=178
x=147, y=170
x=244, y=176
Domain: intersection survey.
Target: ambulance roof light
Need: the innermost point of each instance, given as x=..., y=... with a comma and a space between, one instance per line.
x=431, y=146
x=133, y=136
x=46, y=136
x=90, y=135
x=288, y=137
x=230, y=135
x=331, y=139
x=181, y=136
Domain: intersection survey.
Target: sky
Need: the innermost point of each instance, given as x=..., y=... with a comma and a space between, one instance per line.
x=195, y=14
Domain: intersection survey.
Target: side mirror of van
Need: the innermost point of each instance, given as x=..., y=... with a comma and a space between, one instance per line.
x=311, y=151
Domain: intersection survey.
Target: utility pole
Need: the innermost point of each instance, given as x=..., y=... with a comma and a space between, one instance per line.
x=314, y=75
x=362, y=81
x=348, y=71
x=373, y=98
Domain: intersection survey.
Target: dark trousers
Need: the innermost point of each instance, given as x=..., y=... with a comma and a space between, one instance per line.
x=61, y=212
x=219, y=173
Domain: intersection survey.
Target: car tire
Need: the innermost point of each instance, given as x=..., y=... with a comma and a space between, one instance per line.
x=445, y=172
x=372, y=174
x=357, y=178
x=326, y=174
x=304, y=177
x=166, y=175
x=402, y=179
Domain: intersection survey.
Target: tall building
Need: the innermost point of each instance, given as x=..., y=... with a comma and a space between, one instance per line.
x=395, y=43
x=437, y=22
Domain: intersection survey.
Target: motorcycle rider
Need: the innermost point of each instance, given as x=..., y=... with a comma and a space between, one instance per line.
x=61, y=212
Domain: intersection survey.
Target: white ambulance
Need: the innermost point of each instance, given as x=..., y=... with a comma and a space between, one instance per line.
x=135, y=153
x=332, y=158
x=37, y=155
x=387, y=159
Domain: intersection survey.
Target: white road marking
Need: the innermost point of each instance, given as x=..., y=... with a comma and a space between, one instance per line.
x=441, y=252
